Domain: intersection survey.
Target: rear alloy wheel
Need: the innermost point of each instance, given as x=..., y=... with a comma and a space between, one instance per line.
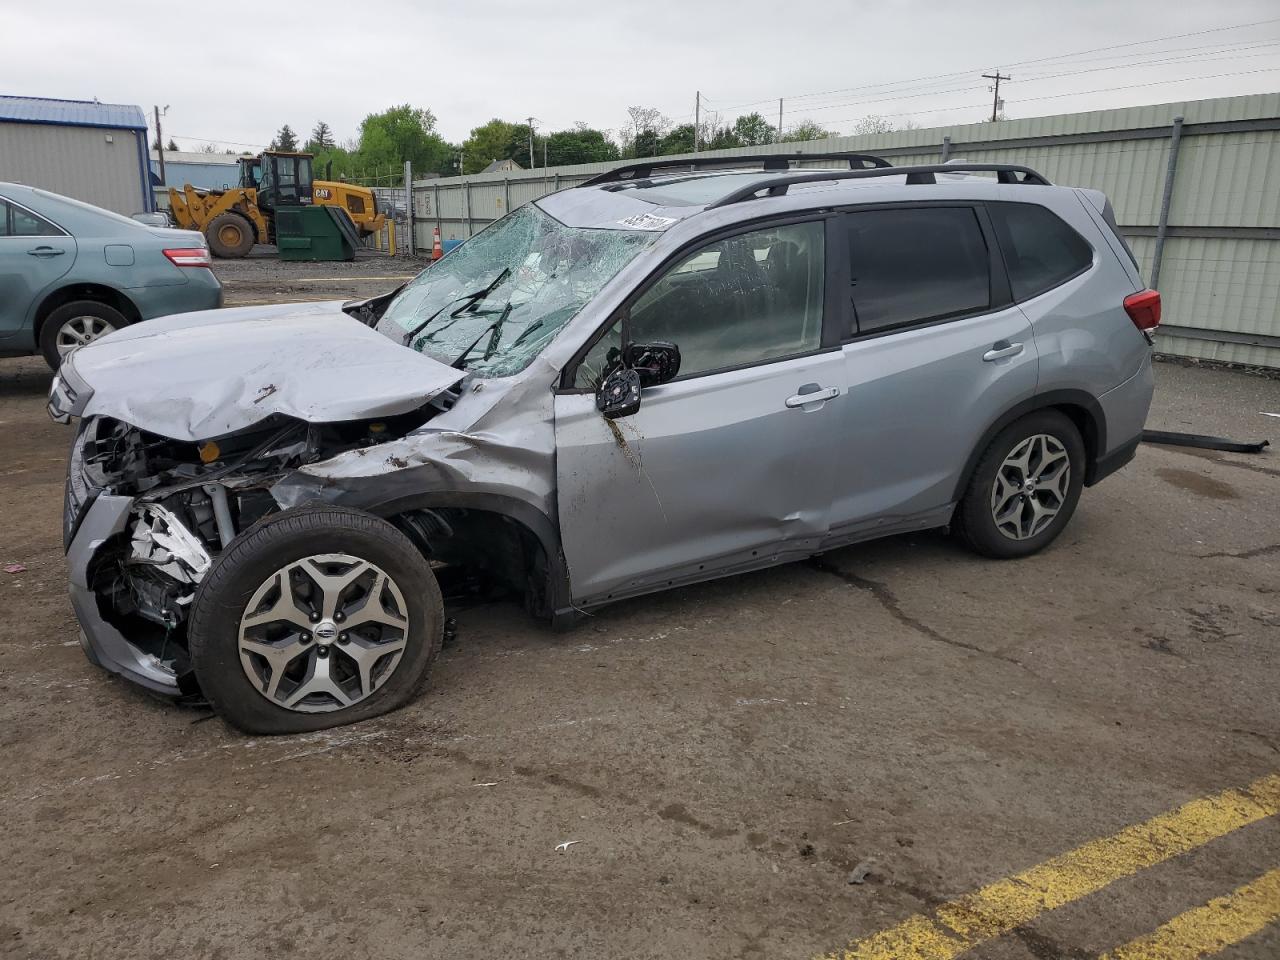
x=74, y=325
x=1025, y=487
x=314, y=618
x=230, y=236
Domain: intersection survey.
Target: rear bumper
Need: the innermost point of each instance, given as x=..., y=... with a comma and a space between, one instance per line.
x=1125, y=410
x=104, y=645
x=202, y=291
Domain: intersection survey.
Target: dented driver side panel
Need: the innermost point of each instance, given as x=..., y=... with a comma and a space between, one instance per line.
x=712, y=474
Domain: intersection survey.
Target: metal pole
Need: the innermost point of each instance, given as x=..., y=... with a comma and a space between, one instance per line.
x=995, y=100
x=1162, y=225
x=946, y=149
x=466, y=204
x=697, y=117
x=408, y=205
x=506, y=195
x=160, y=143
x=778, y=137
x=530, y=145
x=439, y=219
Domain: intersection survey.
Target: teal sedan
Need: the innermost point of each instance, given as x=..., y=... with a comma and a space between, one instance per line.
x=71, y=272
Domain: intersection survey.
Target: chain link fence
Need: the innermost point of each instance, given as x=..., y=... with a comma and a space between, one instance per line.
x=395, y=200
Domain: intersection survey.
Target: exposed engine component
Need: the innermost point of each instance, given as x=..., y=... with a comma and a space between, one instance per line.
x=192, y=499
x=160, y=540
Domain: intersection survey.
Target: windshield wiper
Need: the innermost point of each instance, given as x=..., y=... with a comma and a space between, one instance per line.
x=471, y=298
x=493, y=330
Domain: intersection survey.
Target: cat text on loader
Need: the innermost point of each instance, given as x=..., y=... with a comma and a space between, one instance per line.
x=233, y=220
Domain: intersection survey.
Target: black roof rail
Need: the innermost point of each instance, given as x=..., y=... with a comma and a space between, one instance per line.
x=772, y=161
x=777, y=186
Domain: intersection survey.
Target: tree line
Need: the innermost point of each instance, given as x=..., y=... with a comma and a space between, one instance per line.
x=385, y=140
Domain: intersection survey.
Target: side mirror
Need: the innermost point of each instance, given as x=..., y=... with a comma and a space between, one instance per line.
x=619, y=393
x=656, y=362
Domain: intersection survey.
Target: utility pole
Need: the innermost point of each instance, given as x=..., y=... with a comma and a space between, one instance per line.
x=531, y=119
x=778, y=137
x=995, y=100
x=697, y=117
x=160, y=139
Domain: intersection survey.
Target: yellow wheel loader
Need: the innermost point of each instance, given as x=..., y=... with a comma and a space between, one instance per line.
x=233, y=220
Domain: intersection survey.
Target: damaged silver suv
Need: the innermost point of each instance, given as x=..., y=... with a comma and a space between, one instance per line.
x=670, y=373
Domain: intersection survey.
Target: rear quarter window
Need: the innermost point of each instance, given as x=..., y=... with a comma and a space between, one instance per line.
x=1040, y=249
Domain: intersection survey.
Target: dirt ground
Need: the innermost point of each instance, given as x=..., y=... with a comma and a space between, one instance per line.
x=723, y=755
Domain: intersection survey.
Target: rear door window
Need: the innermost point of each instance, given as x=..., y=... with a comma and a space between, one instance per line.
x=1040, y=250
x=16, y=222
x=915, y=265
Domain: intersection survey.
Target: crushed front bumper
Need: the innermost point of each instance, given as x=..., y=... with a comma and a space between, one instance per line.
x=91, y=526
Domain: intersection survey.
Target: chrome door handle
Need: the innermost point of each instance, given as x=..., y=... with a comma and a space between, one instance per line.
x=1002, y=349
x=45, y=252
x=820, y=395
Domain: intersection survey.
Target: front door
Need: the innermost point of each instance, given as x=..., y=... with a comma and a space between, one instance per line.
x=33, y=254
x=730, y=465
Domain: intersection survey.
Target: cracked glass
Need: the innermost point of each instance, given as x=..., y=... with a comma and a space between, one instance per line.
x=497, y=300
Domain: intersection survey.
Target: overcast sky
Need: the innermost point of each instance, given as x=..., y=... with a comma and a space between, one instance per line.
x=233, y=73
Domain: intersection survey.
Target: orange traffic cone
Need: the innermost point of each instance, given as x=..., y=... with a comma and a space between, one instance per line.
x=437, y=248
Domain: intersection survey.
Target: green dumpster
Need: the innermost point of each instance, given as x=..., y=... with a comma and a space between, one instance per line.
x=315, y=233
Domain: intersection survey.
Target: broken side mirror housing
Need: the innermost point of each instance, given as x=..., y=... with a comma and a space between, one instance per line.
x=619, y=393
x=656, y=362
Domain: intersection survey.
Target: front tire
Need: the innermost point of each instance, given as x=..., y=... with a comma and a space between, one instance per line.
x=315, y=618
x=230, y=236
x=1025, y=487
x=73, y=325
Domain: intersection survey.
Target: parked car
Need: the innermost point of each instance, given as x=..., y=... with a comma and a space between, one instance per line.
x=71, y=272
x=656, y=378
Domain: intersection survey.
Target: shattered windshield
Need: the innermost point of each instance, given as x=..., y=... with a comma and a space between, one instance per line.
x=493, y=303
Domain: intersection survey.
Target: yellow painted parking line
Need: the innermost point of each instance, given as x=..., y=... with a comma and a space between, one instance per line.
x=408, y=276
x=1215, y=926
x=962, y=924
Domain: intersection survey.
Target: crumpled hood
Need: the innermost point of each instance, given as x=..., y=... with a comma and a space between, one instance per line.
x=192, y=376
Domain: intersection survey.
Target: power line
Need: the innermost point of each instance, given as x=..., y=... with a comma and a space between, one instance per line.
x=1020, y=63
x=891, y=98
x=1058, y=96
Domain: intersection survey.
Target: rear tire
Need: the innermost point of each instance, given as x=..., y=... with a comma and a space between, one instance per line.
x=230, y=236
x=268, y=633
x=1019, y=498
x=75, y=324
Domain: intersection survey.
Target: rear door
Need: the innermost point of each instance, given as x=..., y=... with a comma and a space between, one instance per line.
x=730, y=465
x=34, y=254
x=936, y=352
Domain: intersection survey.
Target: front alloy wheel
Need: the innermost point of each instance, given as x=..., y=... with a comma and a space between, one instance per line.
x=313, y=618
x=323, y=633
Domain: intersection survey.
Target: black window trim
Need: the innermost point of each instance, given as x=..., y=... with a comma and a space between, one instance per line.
x=1093, y=259
x=10, y=204
x=829, y=340
x=1001, y=298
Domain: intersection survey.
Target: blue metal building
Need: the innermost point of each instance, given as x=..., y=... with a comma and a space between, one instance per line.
x=96, y=152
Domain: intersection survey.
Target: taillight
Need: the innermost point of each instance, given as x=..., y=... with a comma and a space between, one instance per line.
x=1143, y=309
x=189, y=257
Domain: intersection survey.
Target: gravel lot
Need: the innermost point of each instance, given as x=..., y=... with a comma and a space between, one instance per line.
x=724, y=754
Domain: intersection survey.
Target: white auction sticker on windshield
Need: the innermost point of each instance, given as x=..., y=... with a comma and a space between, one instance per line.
x=647, y=221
